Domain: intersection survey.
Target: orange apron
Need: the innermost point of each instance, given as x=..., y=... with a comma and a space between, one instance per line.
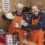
x=34, y=35
x=12, y=29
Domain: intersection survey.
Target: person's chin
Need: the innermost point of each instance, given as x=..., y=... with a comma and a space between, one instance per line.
x=35, y=13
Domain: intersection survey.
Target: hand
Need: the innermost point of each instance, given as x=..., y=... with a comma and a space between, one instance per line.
x=9, y=16
x=25, y=24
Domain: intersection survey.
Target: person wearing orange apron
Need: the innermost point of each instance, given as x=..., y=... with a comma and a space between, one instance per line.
x=15, y=25
x=36, y=32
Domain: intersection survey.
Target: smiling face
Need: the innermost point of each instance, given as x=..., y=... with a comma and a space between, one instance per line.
x=19, y=10
x=35, y=10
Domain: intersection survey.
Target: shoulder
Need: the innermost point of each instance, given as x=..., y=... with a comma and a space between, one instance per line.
x=14, y=13
x=41, y=13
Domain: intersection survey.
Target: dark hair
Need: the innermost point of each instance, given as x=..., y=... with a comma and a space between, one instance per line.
x=34, y=5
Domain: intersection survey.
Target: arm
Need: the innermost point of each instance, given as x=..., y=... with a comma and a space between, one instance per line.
x=38, y=26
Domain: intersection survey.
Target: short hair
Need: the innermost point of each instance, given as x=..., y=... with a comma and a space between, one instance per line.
x=19, y=5
x=35, y=5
